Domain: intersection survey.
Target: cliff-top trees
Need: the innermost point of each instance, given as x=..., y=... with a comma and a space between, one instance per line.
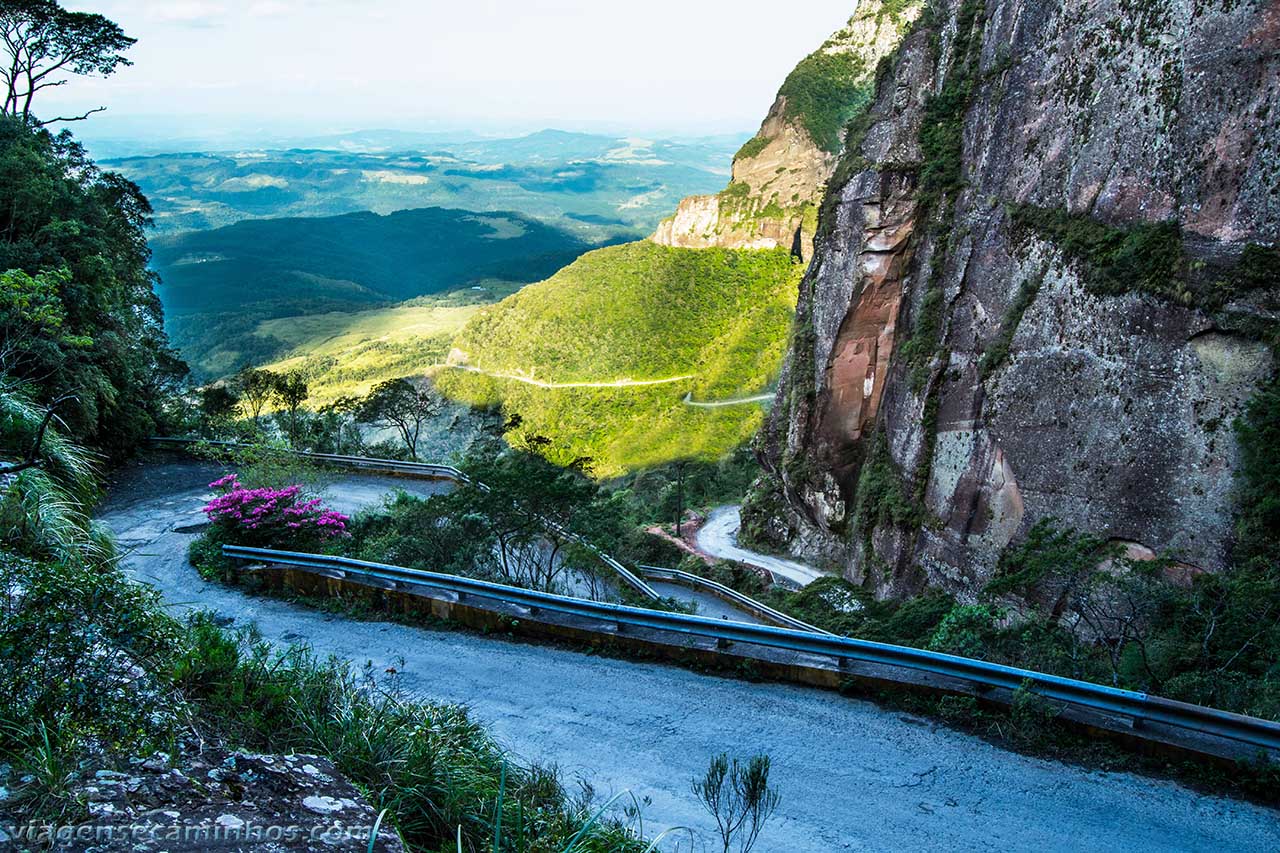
x=42, y=44
x=79, y=315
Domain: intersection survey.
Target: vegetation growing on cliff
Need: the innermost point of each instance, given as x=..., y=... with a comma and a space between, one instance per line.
x=752, y=147
x=823, y=93
x=714, y=321
x=998, y=349
x=942, y=176
x=1149, y=257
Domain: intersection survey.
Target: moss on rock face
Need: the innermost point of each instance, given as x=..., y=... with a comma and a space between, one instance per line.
x=998, y=350
x=1149, y=257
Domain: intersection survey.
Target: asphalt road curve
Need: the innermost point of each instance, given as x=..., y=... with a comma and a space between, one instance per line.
x=853, y=775
x=718, y=537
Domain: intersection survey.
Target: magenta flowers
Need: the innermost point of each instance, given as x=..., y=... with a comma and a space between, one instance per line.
x=272, y=516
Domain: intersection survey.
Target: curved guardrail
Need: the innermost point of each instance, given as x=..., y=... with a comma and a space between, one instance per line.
x=367, y=463
x=1139, y=707
x=433, y=472
x=731, y=595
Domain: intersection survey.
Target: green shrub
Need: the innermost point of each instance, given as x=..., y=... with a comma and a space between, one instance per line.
x=881, y=498
x=752, y=147
x=969, y=630
x=1049, y=553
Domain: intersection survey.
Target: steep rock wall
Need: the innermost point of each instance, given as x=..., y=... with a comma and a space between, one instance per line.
x=959, y=369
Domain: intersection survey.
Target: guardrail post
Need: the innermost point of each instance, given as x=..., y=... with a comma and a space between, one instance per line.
x=722, y=643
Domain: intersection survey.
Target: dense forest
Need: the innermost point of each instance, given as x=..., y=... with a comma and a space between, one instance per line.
x=78, y=313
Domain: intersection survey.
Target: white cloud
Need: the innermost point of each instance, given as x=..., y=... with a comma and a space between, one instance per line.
x=270, y=8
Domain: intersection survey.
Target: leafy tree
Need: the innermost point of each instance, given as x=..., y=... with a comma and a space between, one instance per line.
x=218, y=405
x=291, y=392
x=403, y=405
x=43, y=44
x=32, y=317
x=256, y=388
x=334, y=429
x=80, y=315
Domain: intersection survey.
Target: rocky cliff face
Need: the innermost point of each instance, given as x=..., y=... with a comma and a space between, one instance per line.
x=780, y=174
x=1044, y=284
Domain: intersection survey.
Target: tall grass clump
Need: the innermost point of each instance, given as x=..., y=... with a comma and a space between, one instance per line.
x=437, y=771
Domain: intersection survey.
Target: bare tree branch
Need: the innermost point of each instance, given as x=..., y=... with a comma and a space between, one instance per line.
x=46, y=122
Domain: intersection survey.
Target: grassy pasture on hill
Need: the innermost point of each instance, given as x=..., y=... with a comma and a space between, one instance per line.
x=635, y=312
x=344, y=354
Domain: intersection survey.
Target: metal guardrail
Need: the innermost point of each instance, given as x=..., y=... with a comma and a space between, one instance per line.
x=1138, y=707
x=368, y=463
x=731, y=595
x=428, y=471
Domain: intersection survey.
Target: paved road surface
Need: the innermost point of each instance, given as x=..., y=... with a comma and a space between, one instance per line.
x=720, y=404
x=853, y=776
x=709, y=605
x=719, y=538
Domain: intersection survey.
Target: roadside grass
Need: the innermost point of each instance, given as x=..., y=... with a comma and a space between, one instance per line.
x=434, y=769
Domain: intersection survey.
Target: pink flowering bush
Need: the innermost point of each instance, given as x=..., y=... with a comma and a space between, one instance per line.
x=271, y=517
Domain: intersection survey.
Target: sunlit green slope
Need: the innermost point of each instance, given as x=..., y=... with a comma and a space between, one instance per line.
x=603, y=356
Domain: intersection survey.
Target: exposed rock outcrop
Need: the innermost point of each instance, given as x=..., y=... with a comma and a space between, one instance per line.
x=779, y=175
x=221, y=800
x=962, y=367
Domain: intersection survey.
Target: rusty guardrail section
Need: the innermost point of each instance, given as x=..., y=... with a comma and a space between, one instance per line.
x=1138, y=709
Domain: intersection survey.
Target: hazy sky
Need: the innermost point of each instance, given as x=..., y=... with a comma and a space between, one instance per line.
x=671, y=65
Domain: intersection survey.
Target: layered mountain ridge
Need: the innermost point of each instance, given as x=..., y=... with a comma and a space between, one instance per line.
x=1045, y=283
x=704, y=305
x=780, y=173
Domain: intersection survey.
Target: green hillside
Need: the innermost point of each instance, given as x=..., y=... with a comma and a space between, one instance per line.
x=358, y=258
x=219, y=286
x=342, y=354
x=630, y=314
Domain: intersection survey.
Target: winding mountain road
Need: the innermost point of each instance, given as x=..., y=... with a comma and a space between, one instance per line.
x=718, y=537
x=854, y=776
x=538, y=383
x=720, y=404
